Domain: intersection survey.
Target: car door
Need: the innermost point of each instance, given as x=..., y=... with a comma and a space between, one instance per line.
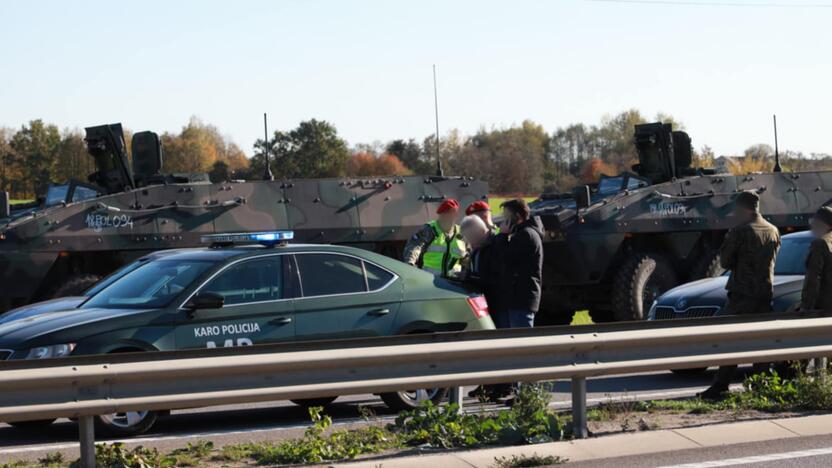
x=342, y=296
x=258, y=307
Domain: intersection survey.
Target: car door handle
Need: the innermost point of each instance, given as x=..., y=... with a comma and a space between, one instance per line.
x=281, y=321
x=378, y=312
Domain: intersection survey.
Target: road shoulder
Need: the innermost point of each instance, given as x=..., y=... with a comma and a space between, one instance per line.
x=622, y=445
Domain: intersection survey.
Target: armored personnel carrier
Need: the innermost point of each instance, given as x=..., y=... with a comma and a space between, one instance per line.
x=81, y=231
x=615, y=246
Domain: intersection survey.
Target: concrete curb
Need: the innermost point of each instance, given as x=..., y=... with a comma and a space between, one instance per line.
x=637, y=443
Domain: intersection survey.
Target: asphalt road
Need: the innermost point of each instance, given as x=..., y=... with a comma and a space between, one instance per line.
x=280, y=420
x=804, y=452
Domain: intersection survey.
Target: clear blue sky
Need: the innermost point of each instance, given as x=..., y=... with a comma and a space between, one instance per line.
x=366, y=66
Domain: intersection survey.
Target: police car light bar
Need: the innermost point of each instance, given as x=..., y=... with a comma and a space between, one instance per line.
x=267, y=237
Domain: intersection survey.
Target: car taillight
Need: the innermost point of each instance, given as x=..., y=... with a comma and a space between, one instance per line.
x=479, y=306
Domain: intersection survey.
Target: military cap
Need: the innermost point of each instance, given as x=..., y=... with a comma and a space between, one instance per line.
x=477, y=207
x=824, y=215
x=448, y=205
x=749, y=200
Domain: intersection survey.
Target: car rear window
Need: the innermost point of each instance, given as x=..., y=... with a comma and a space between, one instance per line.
x=327, y=274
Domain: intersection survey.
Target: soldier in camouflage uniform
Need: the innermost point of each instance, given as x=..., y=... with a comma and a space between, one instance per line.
x=748, y=251
x=817, y=284
x=439, y=243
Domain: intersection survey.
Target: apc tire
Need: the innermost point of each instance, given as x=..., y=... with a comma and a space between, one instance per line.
x=310, y=402
x=639, y=281
x=412, y=399
x=30, y=426
x=708, y=266
x=76, y=285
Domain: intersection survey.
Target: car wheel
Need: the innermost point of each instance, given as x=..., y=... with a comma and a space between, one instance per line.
x=31, y=425
x=310, y=402
x=638, y=282
x=411, y=399
x=690, y=372
x=125, y=424
x=76, y=285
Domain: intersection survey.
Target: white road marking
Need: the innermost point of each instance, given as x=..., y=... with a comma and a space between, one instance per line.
x=757, y=459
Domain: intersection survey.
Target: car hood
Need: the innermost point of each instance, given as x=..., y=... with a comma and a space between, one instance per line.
x=62, y=304
x=15, y=332
x=711, y=291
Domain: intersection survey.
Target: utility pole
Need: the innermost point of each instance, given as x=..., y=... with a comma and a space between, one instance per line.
x=267, y=173
x=439, y=171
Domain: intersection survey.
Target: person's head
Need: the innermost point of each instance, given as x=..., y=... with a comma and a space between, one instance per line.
x=747, y=205
x=481, y=209
x=446, y=214
x=515, y=212
x=473, y=230
x=822, y=222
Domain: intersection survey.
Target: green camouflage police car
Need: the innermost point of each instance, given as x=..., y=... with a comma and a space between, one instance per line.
x=231, y=294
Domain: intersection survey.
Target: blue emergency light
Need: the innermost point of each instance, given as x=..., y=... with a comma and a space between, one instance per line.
x=265, y=238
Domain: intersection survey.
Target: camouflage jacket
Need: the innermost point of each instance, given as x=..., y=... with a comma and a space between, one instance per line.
x=749, y=251
x=817, y=284
x=417, y=244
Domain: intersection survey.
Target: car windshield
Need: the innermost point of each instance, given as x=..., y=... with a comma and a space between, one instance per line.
x=56, y=194
x=791, y=260
x=152, y=285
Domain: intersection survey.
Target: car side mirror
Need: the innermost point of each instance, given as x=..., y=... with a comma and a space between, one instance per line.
x=207, y=300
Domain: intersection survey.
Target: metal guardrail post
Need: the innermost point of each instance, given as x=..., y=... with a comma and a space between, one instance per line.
x=579, y=407
x=457, y=396
x=86, y=435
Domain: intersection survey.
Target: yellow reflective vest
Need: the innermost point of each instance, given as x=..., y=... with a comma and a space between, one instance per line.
x=443, y=256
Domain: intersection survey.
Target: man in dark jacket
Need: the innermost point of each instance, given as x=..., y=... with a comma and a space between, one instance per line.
x=817, y=284
x=748, y=251
x=523, y=263
x=484, y=266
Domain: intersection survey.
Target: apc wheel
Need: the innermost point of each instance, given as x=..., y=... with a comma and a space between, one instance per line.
x=639, y=281
x=76, y=285
x=310, y=402
x=411, y=399
x=707, y=266
x=31, y=425
x=126, y=424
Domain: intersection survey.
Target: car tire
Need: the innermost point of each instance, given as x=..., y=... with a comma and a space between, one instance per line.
x=126, y=424
x=412, y=399
x=310, y=402
x=690, y=372
x=31, y=425
x=76, y=285
x=639, y=281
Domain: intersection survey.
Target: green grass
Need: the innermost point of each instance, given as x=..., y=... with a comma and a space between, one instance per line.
x=496, y=200
x=15, y=202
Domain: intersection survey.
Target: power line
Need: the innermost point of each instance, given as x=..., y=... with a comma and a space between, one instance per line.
x=720, y=3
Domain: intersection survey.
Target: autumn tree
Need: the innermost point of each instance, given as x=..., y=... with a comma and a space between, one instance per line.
x=364, y=164
x=313, y=149
x=35, y=150
x=410, y=153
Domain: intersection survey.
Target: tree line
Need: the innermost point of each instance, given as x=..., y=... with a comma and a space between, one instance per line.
x=522, y=158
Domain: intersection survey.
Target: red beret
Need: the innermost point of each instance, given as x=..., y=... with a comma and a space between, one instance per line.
x=448, y=205
x=476, y=207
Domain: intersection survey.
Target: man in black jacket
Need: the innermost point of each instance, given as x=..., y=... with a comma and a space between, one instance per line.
x=523, y=263
x=484, y=266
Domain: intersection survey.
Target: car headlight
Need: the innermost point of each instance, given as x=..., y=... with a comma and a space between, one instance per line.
x=651, y=315
x=53, y=351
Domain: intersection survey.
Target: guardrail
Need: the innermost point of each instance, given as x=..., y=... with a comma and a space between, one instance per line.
x=85, y=386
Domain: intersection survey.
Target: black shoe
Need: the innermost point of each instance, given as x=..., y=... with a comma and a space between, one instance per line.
x=716, y=392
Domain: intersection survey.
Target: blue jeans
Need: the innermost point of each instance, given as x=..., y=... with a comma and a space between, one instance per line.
x=520, y=318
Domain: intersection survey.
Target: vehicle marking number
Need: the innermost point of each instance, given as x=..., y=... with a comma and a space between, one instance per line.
x=98, y=222
x=668, y=209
